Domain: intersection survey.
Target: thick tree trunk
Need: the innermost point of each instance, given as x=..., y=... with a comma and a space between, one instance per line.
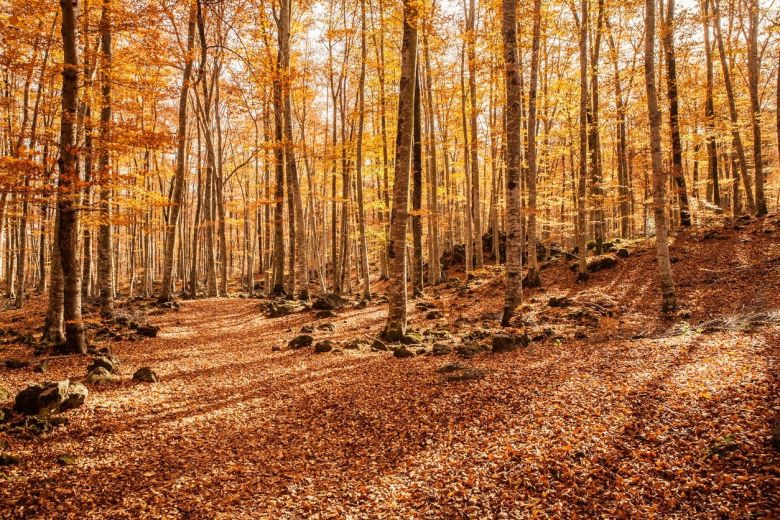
x=514, y=236
x=396, y=251
x=659, y=180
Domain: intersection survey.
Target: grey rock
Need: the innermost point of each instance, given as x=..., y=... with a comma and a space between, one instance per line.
x=145, y=375
x=304, y=340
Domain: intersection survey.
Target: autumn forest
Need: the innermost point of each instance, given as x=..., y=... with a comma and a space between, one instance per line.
x=389, y=259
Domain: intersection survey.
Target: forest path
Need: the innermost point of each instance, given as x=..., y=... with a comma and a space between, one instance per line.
x=621, y=421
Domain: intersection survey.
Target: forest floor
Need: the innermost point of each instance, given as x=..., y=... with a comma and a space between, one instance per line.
x=613, y=412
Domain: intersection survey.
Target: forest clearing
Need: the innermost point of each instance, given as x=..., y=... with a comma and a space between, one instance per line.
x=366, y=259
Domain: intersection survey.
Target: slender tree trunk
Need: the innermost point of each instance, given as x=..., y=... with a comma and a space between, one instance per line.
x=178, y=179
x=105, y=258
x=674, y=116
x=396, y=252
x=532, y=278
x=359, y=155
x=476, y=205
x=582, y=219
x=417, y=166
x=514, y=235
x=659, y=181
x=754, y=68
x=67, y=203
x=736, y=139
x=709, y=109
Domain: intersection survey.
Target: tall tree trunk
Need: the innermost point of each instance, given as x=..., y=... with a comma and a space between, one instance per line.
x=359, y=155
x=754, y=68
x=105, y=253
x=396, y=251
x=67, y=202
x=674, y=113
x=177, y=194
x=659, y=181
x=417, y=166
x=434, y=260
x=709, y=109
x=476, y=205
x=532, y=278
x=285, y=12
x=582, y=219
x=514, y=235
x=736, y=139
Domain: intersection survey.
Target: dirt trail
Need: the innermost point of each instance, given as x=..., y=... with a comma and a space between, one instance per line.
x=604, y=425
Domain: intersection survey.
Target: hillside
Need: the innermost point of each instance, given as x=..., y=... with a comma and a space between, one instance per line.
x=610, y=411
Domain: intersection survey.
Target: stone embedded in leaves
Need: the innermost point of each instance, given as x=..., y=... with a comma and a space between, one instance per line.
x=150, y=331
x=15, y=364
x=323, y=346
x=101, y=376
x=509, y=342
x=50, y=397
x=107, y=361
x=77, y=394
x=304, y=340
x=145, y=375
x=441, y=349
x=378, y=345
x=9, y=459
x=402, y=352
x=328, y=302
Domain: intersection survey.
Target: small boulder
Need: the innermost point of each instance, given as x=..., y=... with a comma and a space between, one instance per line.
x=145, y=375
x=326, y=326
x=26, y=401
x=509, y=342
x=559, y=301
x=354, y=344
x=378, y=345
x=150, y=331
x=328, y=302
x=9, y=459
x=66, y=459
x=402, y=352
x=276, y=348
x=441, y=349
x=304, y=340
x=447, y=368
x=52, y=397
x=106, y=361
x=101, y=376
x=601, y=262
x=468, y=350
x=723, y=446
x=434, y=315
x=77, y=394
x=16, y=364
x=41, y=367
x=623, y=253
x=323, y=315
x=323, y=346
x=307, y=329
